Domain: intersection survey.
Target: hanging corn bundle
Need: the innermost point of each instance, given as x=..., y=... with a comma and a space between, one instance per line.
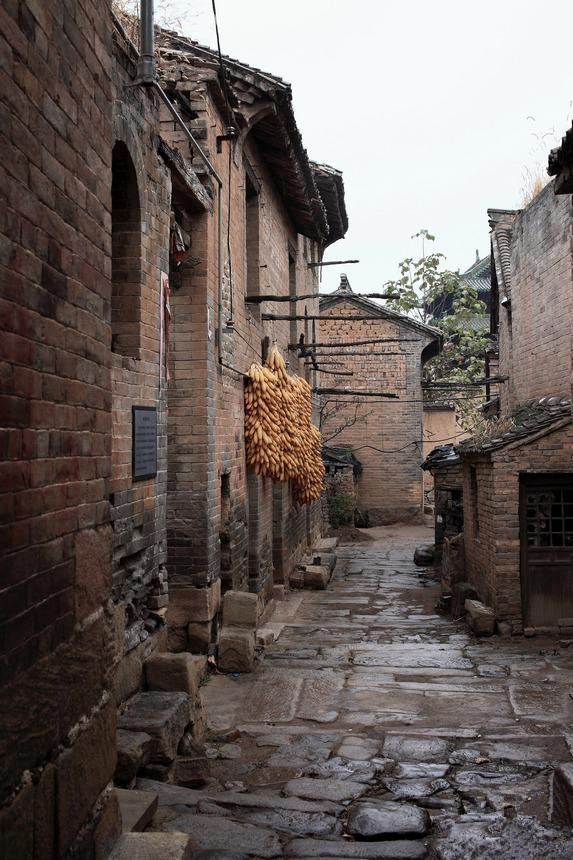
x=281, y=440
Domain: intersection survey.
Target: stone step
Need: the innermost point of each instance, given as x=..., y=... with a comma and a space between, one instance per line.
x=137, y=808
x=164, y=716
x=326, y=544
x=134, y=750
x=151, y=846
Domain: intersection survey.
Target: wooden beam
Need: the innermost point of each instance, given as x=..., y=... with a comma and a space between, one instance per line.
x=328, y=345
x=353, y=354
x=320, y=369
x=333, y=318
x=351, y=393
x=333, y=263
x=267, y=297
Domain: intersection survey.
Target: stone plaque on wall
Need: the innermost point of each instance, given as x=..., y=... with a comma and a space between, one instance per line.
x=144, y=444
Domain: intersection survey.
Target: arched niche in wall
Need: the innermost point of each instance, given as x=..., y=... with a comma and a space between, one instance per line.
x=126, y=271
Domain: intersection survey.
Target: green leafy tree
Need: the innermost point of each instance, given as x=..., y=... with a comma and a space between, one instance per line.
x=434, y=295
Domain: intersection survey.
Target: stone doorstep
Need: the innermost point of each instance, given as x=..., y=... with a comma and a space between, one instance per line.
x=137, y=808
x=162, y=715
x=152, y=846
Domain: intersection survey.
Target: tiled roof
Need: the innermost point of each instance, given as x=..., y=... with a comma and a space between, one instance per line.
x=442, y=455
x=561, y=156
x=527, y=420
x=258, y=99
x=478, y=276
x=331, y=187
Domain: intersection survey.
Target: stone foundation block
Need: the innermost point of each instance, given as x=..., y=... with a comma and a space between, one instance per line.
x=150, y=846
x=236, y=650
x=326, y=544
x=175, y=673
x=563, y=795
x=316, y=576
x=164, y=716
x=199, y=637
x=84, y=770
x=461, y=592
x=17, y=825
x=481, y=618
x=134, y=750
x=187, y=605
x=240, y=609
x=424, y=555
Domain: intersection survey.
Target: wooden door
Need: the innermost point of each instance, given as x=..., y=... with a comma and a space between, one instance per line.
x=546, y=536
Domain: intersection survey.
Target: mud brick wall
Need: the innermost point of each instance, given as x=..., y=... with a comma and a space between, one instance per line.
x=141, y=203
x=390, y=486
x=223, y=521
x=535, y=351
x=57, y=720
x=493, y=550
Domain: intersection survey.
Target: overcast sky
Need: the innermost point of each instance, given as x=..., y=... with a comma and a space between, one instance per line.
x=432, y=110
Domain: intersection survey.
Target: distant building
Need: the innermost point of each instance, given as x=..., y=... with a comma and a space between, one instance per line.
x=384, y=433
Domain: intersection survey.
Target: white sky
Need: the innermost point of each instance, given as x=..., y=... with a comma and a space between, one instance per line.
x=424, y=106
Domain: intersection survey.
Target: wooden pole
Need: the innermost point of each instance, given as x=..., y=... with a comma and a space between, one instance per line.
x=351, y=393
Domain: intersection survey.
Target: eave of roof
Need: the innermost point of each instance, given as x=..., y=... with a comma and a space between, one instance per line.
x=561, y=157
x=276, y=132
x=331, y=187
x=528, y=420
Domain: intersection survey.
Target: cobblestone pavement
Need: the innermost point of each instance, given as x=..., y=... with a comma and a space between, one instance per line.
x=374, y=727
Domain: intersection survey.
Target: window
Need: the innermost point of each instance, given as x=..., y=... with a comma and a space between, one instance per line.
x=126, y=255
x=252, y=236
x=549, y=517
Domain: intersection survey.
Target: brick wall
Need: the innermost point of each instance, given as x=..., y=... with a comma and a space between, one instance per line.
x=254, y=538
x=58, y=721
x=390, y=486
x=493, y=551
x=535, y=340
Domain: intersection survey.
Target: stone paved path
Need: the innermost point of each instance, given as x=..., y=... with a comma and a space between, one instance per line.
x=374, y=727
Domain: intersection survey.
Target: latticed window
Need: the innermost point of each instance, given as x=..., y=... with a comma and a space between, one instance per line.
x=549, y=517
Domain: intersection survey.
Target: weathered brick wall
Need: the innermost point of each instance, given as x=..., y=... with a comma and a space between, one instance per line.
x=390, y=486
x=58, y=720
x=238, y=539
x=493, y=554
x=535, y=349
x=141, y=202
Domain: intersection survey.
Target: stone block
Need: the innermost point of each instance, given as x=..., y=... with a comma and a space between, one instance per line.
x=175, y=673
x=236, y=650
x=563, y=795
x=45, y=815
x=199, y=637
x=387, y=820
x=157, y=771
x=279, y=592
x=504, y=629
x=107, y=829
x=150, y=846
x=240, y=609
x=92, y=580
x=424, y=555
x=462, y=591
x=164, y=716
x=316, y=576
x=84, y=770
x=481, y=618
x=326, y=544
x=134, y=750
x=17, y=825
x=265, y=636
x=176, y=639
x=193, y=604
x=191, y=772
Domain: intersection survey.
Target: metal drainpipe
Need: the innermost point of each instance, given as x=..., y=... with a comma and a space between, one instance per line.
x=146, y=64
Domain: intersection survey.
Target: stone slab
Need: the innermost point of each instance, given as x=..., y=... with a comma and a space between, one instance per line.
x=415, y=748
x=219, y=833
x=563, y=795
x=386, y=819
x=137, y=808
x=393, y=850
x=151, y=846
x=335, y=790
x=134, y=750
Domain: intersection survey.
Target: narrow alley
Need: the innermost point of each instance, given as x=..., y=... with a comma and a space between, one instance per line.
x=375, y=727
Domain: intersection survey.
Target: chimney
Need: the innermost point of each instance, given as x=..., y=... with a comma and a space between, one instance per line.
x=344, y=285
